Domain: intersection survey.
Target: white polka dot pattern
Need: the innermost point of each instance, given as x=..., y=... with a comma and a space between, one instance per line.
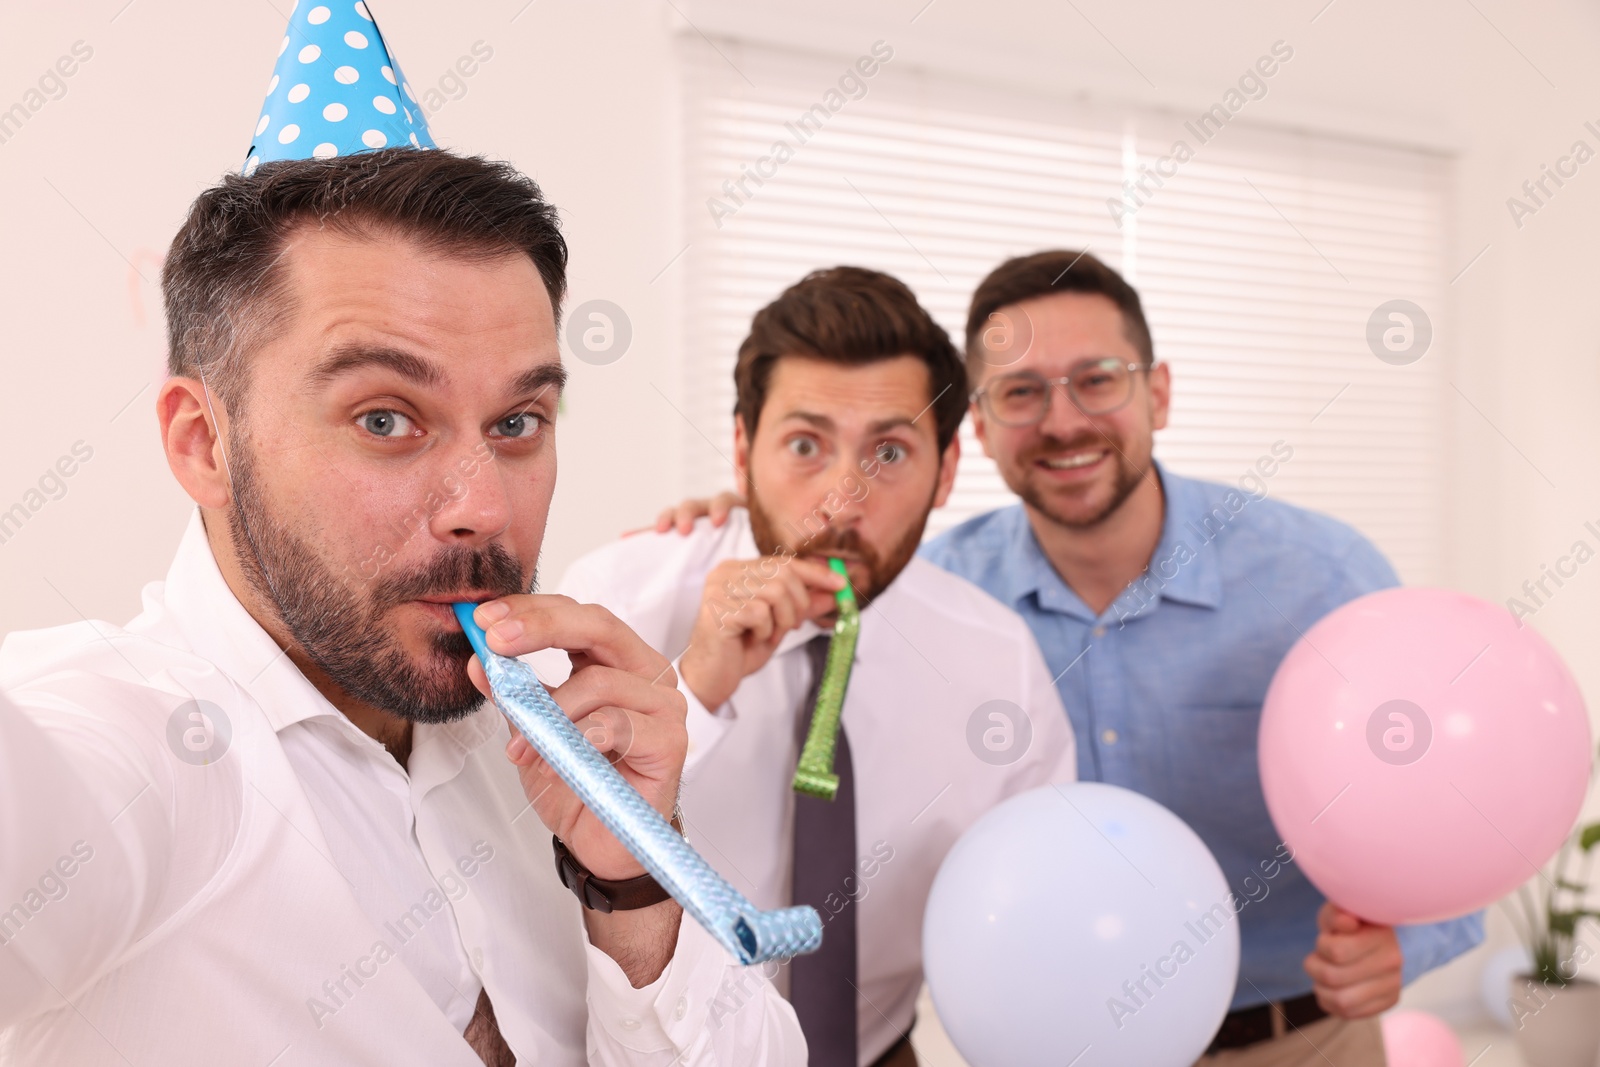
x=336, y=90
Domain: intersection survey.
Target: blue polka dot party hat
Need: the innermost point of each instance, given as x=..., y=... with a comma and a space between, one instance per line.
x=336, y=90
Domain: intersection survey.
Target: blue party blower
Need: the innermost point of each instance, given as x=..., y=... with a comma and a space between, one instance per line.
x=751, y=936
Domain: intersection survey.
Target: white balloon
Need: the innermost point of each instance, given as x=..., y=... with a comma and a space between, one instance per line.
x=1081, y=920
x=1494, y=985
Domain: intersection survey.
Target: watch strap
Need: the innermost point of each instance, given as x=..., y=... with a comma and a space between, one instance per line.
x=602, y=895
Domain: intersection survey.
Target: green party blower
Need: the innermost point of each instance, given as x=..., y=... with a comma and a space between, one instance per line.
x=814, y=776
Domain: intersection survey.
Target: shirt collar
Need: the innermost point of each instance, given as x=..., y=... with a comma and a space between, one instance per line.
x=1182, y=569
x=1032, y=572
x=219, y=628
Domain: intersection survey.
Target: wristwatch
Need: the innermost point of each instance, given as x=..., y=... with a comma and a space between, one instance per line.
x=599, y=894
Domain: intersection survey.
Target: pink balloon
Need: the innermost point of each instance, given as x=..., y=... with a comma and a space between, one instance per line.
x=1417, y=1039
x=1423, y=754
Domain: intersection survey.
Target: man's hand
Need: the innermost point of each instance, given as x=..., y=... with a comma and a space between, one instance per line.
x=622, y=694
x=1355, y=969
x=683, y=516
x=747, y=607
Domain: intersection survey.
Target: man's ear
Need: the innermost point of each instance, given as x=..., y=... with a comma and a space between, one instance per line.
x=1160, y=395
x=947, y=470
x=980, y=428
x=741, y=451
x=192, y=442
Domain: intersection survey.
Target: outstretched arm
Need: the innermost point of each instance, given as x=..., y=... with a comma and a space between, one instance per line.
x=86, y=843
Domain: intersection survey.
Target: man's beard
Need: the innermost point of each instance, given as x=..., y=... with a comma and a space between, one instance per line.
x=828, y=541
x=1128, y=477
x=343, y=632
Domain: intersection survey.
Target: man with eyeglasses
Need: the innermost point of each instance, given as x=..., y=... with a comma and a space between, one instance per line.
x=1163, y=605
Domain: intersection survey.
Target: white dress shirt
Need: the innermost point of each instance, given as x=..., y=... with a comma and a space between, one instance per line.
x=203, y=862
x=933, y=650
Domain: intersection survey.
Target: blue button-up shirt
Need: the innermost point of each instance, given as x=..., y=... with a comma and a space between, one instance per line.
x=1164, y=688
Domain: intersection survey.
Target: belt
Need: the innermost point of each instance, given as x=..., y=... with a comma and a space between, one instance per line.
x=900, y=1053
x=1250, y=1026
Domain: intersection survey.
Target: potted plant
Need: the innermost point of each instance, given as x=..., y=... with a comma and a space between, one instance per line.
x=1555, y=1013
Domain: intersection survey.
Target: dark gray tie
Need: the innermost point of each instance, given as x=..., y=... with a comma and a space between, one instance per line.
x=822, y=985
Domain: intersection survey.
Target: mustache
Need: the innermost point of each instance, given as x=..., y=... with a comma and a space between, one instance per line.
x=830, y=541
x=1055, y=446
x=492, y=568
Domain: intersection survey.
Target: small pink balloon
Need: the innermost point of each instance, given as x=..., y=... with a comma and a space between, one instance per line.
x=1417, y=1039
x=1423, y=753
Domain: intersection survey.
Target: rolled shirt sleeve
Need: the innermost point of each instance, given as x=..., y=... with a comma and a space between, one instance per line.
x=703, y=1010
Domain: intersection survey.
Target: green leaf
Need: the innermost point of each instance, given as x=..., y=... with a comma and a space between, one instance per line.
x=1589, y=837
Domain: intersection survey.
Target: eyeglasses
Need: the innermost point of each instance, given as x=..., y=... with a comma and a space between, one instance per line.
x=1095, y=387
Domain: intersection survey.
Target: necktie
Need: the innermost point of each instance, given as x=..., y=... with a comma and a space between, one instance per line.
x=822, y=985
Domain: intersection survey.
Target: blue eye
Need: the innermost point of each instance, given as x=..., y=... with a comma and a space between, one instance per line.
x=384, y=423
x=520, y=426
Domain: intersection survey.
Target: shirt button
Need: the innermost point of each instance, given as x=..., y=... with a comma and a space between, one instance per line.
x=477, y=958
x=1109, y=736
x=1098, y=631
x=630, y=1023
x=681, y=1009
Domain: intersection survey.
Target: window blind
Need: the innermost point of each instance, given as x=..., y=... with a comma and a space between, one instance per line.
x=1261, y=261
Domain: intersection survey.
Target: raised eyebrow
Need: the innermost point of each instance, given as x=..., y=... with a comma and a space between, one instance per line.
x=541, y=379
x=899, y=421
x=347, y=358
x=821, y=422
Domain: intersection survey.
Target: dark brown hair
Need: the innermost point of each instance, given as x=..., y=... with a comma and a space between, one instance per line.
x=853, y=316
x=222, y=282
x=1056, y=271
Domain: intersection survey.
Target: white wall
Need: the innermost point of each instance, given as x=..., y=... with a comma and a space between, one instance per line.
x=584, y=97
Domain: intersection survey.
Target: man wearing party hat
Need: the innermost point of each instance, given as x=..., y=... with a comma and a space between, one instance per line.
x=272, y=819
